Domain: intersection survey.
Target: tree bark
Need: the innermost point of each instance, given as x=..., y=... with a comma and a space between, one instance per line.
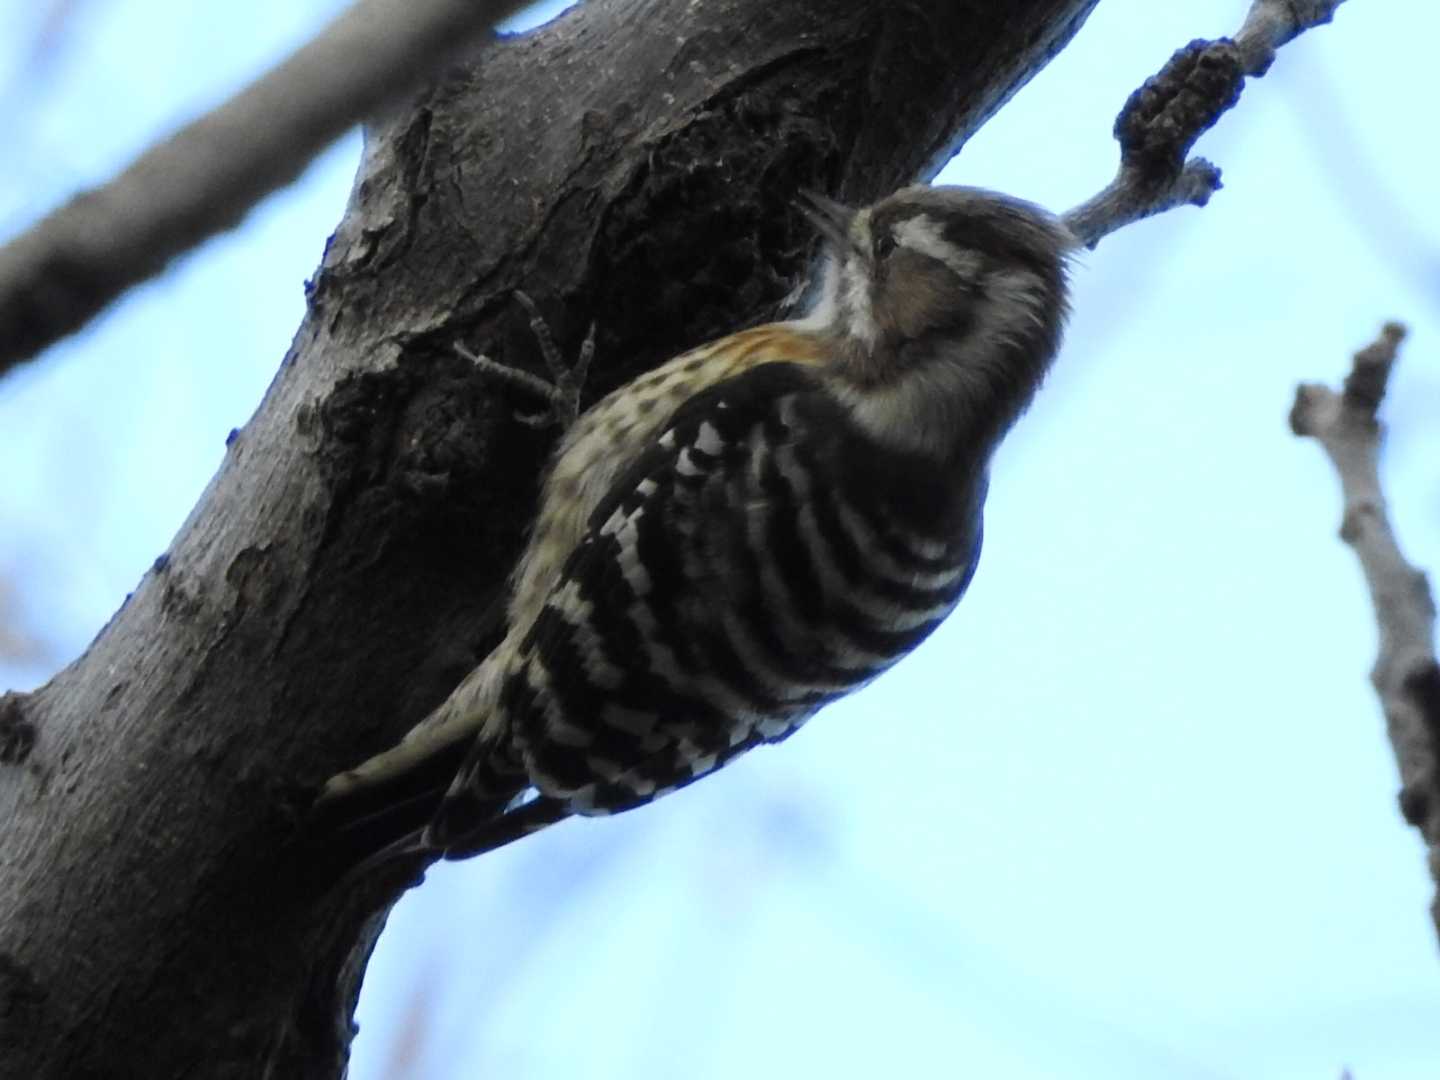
x=631, y=163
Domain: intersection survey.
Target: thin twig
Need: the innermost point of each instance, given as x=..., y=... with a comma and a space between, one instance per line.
x=63, y=271
x=1406, y=675
x=1162, y=120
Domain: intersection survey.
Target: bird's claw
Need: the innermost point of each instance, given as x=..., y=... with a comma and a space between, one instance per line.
x=562, y=393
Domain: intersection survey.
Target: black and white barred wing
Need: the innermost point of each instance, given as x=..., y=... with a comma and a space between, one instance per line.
x=728, y=587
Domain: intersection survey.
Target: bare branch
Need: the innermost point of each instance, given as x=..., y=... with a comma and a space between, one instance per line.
x=58, y=275
x=1406, y=675
x=1163, y=119
x=1272, y=23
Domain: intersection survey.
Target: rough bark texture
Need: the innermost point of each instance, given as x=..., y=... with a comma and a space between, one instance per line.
x=632, y=164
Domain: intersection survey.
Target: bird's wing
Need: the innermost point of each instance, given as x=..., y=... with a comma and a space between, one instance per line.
x=642, y=671
x=757, y=560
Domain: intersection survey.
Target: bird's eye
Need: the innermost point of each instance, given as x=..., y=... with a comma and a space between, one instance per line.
x=884, y=244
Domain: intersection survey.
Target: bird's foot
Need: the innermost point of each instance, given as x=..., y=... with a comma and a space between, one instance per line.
x=562, y=392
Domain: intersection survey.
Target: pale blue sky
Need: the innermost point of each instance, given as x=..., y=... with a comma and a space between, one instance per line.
x=1128, y=814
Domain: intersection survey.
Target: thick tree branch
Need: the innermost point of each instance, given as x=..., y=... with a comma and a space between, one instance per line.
x=69, y=267
x=1163, y=119
x=633, y=162
x=1406, y=674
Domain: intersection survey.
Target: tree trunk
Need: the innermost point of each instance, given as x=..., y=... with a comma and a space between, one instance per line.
x=631, y=163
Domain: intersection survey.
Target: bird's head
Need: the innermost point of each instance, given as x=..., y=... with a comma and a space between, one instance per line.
x=944, y=306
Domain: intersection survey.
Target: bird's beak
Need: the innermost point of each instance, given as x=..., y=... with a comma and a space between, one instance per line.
x=830, y=218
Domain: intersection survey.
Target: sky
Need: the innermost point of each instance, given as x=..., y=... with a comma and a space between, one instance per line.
x=1129, y=813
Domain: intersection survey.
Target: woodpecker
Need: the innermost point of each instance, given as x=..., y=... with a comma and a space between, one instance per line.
x=752, y=530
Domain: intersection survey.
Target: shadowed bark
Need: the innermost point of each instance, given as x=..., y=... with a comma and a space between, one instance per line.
x=633, y=164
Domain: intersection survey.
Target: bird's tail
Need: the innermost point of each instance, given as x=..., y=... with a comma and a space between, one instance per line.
x=445, y=735
x=492, y=827
x=512, y=824
x=391, y=828
x=377, y=812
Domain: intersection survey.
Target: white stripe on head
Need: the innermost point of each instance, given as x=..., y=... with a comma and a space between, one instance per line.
x=922, y=233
